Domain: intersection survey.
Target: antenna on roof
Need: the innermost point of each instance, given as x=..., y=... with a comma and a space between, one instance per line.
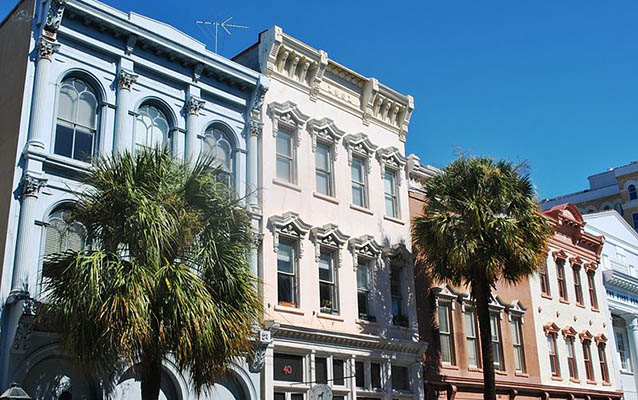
x=224, y=25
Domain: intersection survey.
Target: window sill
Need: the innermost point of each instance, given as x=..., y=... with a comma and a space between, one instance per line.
x=574, y=380
x=450, y=366
x=626, y=372
x=580, y=305
x=475, y=369
x=290, y=310
x=395, y=220
x=329, y=316
x=557, y=378
x=591, y=382
x=366, y=322
x=606, y=383
x=66, y=162
x=521, y=374
x=564, y=301
x=361, y=209
x=287, y=185
x=546, y=296
x=500, y=372
x=595, y=309
x=327, y=198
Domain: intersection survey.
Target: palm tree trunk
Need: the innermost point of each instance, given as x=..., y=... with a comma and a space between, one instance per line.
x=151, y=377
x=481, y=293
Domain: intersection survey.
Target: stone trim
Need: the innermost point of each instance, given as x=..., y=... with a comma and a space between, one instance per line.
x=324, y=130
x=364, y=247
x=328, y=236
x=291, y=226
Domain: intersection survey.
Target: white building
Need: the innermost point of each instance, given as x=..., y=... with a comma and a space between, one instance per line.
x=620, y=272
x=81, y=79
x=335, y=263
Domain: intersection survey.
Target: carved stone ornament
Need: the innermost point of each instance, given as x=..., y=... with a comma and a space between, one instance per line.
x=328, y=236
x=194, y=104
x=360, y=145
x=289, y=225
x=126, y=79
x=260, y=346
x=32, y=185
x=197, y=72
x=326, y=131
x=255, y=123
x=288, y=115
x=54, y=15
x=47, y=47
x=364, y=247
x=24, y=330
x=391, y=157
x=131, y=41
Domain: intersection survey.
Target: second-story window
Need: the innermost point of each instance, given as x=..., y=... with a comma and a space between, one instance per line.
x=399, y=314
x=359, y=188
x=578, y=286
x=151, y=128
x=218, y=146
x=286, y=273
x=560, y=276
x=364, y=294
x=553, y=354
x=593, y=298
x=390, y=190
x=76, y=130
x=634, y=218
x=544, y=279
x=516, y=326
x=328, y=301
x=602, y=358
x=571, y=358
x=285, y=164
x=589, y=369
x=323, y=170
x=446, y=335
x=497, y=343
x=471, y=338
x=63, y=235
x=623, y=350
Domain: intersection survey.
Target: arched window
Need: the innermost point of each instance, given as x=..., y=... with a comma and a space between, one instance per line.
x=61, y=235
x=632, y=192
x=151, y=128
x=218, y=146
x=76, y=130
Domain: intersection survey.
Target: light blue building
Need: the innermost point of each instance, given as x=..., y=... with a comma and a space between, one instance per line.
x=81, y=79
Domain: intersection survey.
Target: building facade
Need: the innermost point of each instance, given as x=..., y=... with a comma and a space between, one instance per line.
x=81, y=79
x=619, y=265
x=614, y=189
x=334, y=261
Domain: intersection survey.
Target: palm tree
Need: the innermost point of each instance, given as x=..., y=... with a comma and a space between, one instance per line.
x=167, y=275
x=481, y=224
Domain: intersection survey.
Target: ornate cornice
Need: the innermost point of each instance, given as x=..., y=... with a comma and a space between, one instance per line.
x=194, y=105
x=324, y=130
x=47, y=47
x=54, y=15
x=126, y=79
x=31, y=185
x=585, y=335
x=600, y=338
x=131, y=41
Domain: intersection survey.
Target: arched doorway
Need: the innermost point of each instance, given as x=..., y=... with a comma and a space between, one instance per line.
x=57, y=379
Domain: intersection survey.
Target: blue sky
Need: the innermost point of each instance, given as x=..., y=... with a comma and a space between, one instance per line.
x=550, y=82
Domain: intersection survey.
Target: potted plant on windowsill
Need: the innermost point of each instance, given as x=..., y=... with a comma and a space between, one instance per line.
x=367, y=317
x=326, y=307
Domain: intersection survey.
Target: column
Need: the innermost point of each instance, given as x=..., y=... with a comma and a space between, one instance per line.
x=632, y=328
x=123, y=140
x=26, y=256
x=38, y=133
x=193, y=106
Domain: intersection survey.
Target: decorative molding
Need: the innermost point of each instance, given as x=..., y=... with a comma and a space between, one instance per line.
x=31, y=185
x=255, y=114
x=585, y=335
x=396, y=253
x=600, y=338
x=328, y=236
x=288, y=115
x=513, y=309
x=47, y=47
x=591, y=267
x=364, y=247
x=621, y=280
x=198, y=69
x=391, y=157
x=326, y=131
x=446, y=293
x=258, y=357
x=126, y=79
x=317, y=77
x=131, y=41
x=576, y=261
x=569, y=331
x=358, y=144
x=54, y=15
x=559, y=255
x=194, y=104
x=551, y=328
x=24, y=331
x=289, y=225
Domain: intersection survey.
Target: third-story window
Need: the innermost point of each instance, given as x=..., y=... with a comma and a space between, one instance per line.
x=446, y=333
x=578, y=286
x=151, y=128
x=285, y=165
x=399, y=316
x=323, y=169
x=592, y=289
x=602, y=358
x=571, y=358
x=359, y=191
x=471, y=336
x=560, y=276
x=391, y=198
x=364, y=294
x=327, y=283
x=517, y=343
x=544, y=280
x=589, y=369
x=633, y=195
x=286, y=273
x=75, y=134
x=497, y=343
x=553, y=354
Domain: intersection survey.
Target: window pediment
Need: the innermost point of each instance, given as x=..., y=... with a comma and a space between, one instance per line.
x=391, y=157
x=328, y=236
x=397, y=254
x=288, y=115
x=559, y=255
x=446, y=293
x=569, y=331
x=289, y=225
x=590, y=267
x=600, y=338
x=324, y=130
x=364, y=247
x=514, y=308
x=360, y=145
x=551, y=328
x=576, y=261
x=585, y=335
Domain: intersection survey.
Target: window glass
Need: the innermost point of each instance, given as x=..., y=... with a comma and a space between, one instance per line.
x=400, y=379
x=359, y=195
x=635, y=220
x=359, y=374
x=496, y=340
x=323, y=169
x=602, y=358
x=151, y=128
x=288, y=367
x=286, y=276
x=338, y=372
x=623, y=351
x=363, y=291
x=61, y=235
x=544, y=280
x=578, y=287
x=375, y=375
x=445, y=333
x=217, y=145
x=560, y=276
x=399, y=316
x=473, y=357
x=321, y=369
x=589, y=370
x=553, y=354
x=633, y=195
x=389, y=182
x=592, y=289
x=285, y=158
x=517, y=344
x=571, y=358
x=327, y=282
x=76, y=124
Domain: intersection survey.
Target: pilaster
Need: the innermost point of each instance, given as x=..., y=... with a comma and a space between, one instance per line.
x=192, y=108
x=123, y=140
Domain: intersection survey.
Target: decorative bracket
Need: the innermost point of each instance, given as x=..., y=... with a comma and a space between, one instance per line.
x=391, y=157
x=194, y=104
x=126, y=79
x=31, y=185
x=54, y=16
x=364, y=247
x=289, y=225
x=358, y=144
x=324, y=130
x=288, y=115
x=328, y=236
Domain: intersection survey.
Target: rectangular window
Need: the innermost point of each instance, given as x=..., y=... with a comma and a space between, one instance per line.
x=571, y=358
x=544, y=281
x=400, y=378
x=285, y=157
x=635, y=219
x=338, y=372
x=364, y=294
x=471, y=337
x=391, y=198
x=517, y=343
x=323, y=169
x=359, y=374
x=495, y=327
x=592, y=289
x=602, y=358
x=288, y=367
x=327, y=283
x=399, y=316
x=286, y=273
x=321, y=369
x=589, y=369
x=560, y=276
x=375, y=375
x=359, y=191
x=553, y=354
x=623, y=351
x=578, y=286
x=445, y=334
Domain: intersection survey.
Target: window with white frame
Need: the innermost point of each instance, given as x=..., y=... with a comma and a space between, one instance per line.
x=359, y=182
x=151, y=128
x=286, y=162
x=360, y=151
x=367, y=375
x=324, y=170
x=472, y=339
x=328, y=292
x=392, y=162
x=497, y=342
x=218, y=146
x=516, y=328
x=325, y=136
x=622, y=348
x=287, y=122
x=446, y=333
x=391, y=193
x=364, y=292
x=77, y=120
x=288, y=367
x=287, y=273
